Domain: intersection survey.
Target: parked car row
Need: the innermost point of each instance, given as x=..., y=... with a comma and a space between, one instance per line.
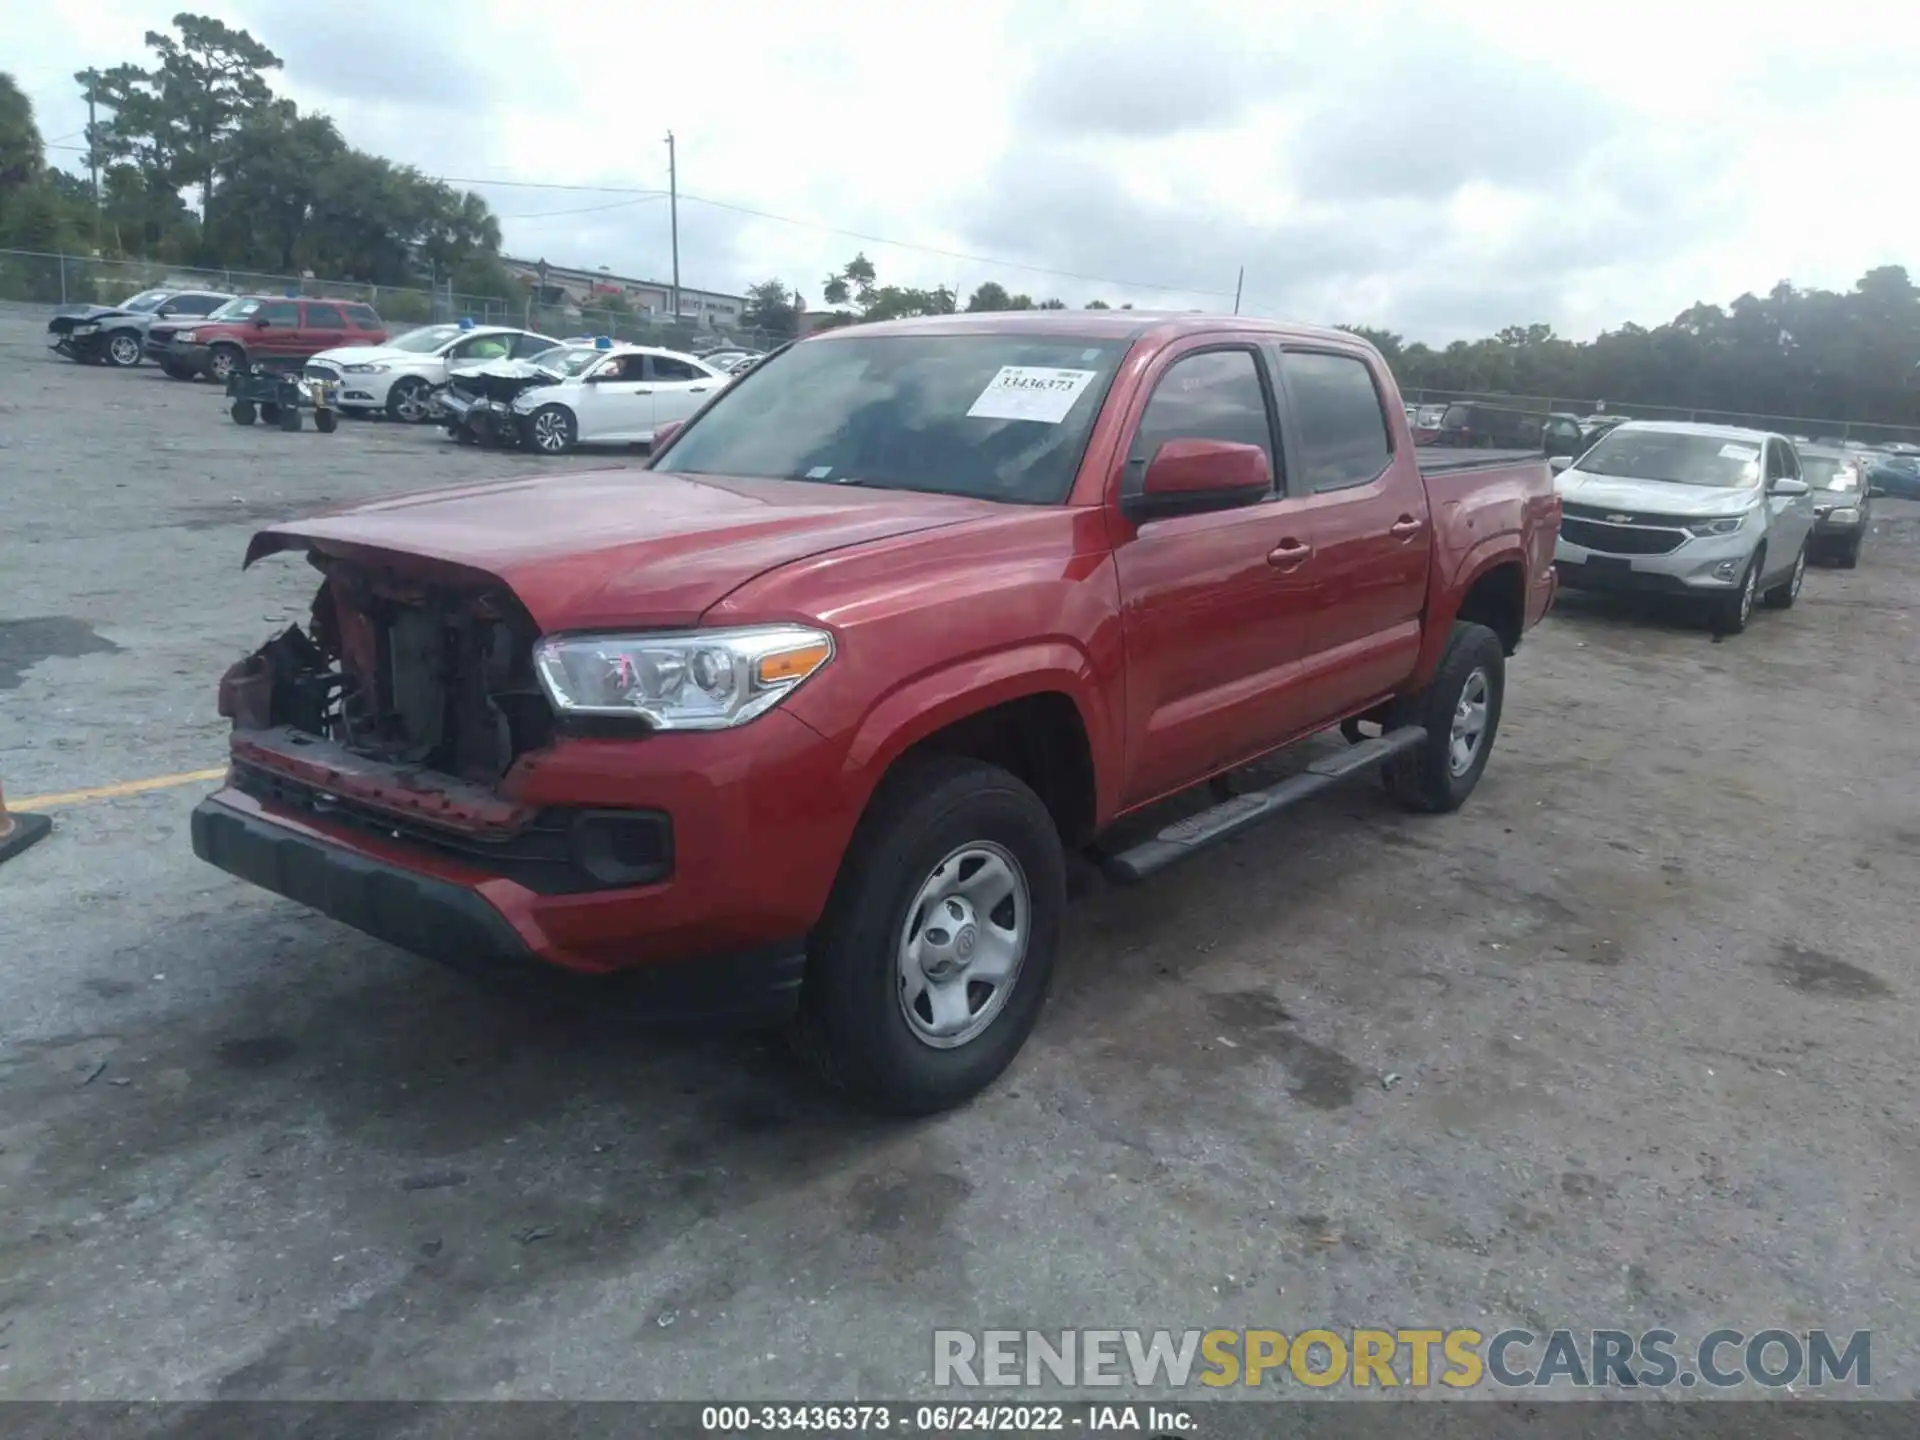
x=488, y=384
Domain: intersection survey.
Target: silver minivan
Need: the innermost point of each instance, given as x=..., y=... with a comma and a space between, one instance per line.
x=1713, y=512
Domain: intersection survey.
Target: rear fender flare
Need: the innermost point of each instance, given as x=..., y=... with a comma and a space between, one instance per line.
x=1450, y=593
x=929, y=703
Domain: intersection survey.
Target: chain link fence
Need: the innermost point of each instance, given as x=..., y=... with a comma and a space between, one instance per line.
x=1800, y=426
x=31, y=277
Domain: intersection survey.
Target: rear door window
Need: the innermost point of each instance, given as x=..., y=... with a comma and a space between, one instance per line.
x=364, y=318
x=528, y=346
x=1339, y=427
x=325, y=317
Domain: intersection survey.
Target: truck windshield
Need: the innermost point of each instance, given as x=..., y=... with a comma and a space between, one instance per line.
x=1002, y=417
x=1680, y=459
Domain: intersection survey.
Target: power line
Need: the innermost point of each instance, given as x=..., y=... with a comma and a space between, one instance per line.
x=583, y=210
x=991, y=261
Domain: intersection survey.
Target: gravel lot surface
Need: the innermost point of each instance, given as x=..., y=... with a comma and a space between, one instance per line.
x=1651, y=1001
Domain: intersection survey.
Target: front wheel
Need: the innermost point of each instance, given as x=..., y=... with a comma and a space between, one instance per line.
x=1460, y=711
x=552, y=430
x=326, y=421
x=1732, y=612
x=1782, y=596
x=407, y=400
x=123, y=349
x=174, y=370
x=929, y=968
x=223, y=361
x=1848, y=558
x=243, y=412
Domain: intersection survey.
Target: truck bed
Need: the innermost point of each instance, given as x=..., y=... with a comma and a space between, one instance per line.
x=1438, y=459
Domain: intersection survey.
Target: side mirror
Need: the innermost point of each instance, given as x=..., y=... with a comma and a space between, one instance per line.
x=1788, y=486
x=1191, y=477
x=259, y=322
x=1560, y=462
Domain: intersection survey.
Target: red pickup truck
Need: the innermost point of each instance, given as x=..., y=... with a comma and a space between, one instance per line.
x=799, y=722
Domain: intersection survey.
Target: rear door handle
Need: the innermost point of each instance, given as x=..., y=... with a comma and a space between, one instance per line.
x=1405, y=528
x=1289, y=554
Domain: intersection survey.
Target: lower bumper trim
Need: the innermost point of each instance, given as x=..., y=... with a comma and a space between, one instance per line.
x=457, y=927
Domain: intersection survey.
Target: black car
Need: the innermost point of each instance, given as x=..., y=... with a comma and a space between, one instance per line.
x=119, y=334
x=1477, y=425
x=1842, y=504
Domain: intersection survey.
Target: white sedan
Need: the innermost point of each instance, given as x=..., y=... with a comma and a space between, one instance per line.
x=618, y=400
x=399, y=376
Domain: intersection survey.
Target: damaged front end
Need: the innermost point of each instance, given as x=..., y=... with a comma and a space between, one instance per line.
x=399, y=711
x=476, y=406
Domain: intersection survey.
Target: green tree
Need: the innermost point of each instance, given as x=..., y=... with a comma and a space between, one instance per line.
x=23, y=157
x=988, y=298
x=773, y=308
x=1098, y=305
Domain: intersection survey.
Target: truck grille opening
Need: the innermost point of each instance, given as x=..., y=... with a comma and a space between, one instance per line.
x=1620, y=539
x=403, y=672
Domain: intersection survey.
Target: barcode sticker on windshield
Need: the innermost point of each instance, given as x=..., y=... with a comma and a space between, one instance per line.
x=1030, y=392
x=1738, y=452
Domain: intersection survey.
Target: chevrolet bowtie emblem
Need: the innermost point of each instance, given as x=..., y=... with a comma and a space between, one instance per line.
x=1621, y=519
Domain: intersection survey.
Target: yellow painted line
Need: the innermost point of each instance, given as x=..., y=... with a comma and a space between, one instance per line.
x=109, y=792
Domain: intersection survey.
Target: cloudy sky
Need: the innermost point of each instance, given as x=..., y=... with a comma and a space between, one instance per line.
x=1439, y=169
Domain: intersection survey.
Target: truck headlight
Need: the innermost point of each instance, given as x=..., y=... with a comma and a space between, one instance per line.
x=1847, y=515
x=692, y=680
x=86, y=330
x=370, y=369
x=1726, y=525
x=185, y=337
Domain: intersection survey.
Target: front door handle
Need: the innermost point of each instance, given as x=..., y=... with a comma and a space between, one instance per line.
x=1289, y=554
x=643, y=392
x=697, y=390
x=1405, y=528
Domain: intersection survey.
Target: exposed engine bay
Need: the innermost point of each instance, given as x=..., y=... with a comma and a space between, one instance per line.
x=401, y=671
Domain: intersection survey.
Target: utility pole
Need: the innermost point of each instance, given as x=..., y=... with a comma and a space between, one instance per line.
x=673, y=220
x=93, y=153
x=1236, y=289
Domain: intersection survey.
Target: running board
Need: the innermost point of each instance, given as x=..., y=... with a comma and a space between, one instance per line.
x=1231, y=817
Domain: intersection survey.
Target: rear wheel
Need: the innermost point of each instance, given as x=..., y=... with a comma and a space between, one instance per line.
x=270, y=412
x=123, y=349
x=1460, y=712
x=929, y=968
x=326, y=421
x=289, y=417
x=1782, y=596
x=243, y=412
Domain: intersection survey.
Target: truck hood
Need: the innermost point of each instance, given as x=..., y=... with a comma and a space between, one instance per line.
x=605, y=549
x=68, y=316
x=1659, y=497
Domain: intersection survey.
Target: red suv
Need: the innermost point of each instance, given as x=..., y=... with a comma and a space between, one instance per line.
x=264, y=327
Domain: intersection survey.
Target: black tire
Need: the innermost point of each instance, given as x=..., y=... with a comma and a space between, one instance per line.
x=173, y=370
x=1782, y=596
x=1426, y=777
x=853, y=1026
x=243, y=412
x=290, y=417
x=223, y=360
x=124, y=348
x=1848, y=556
x=326, y=421
x=552, y=430
x=407, y=400
x=1731, y=612
x=270, y=412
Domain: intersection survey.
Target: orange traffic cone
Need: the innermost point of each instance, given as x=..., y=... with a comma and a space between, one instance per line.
x=17, y=832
